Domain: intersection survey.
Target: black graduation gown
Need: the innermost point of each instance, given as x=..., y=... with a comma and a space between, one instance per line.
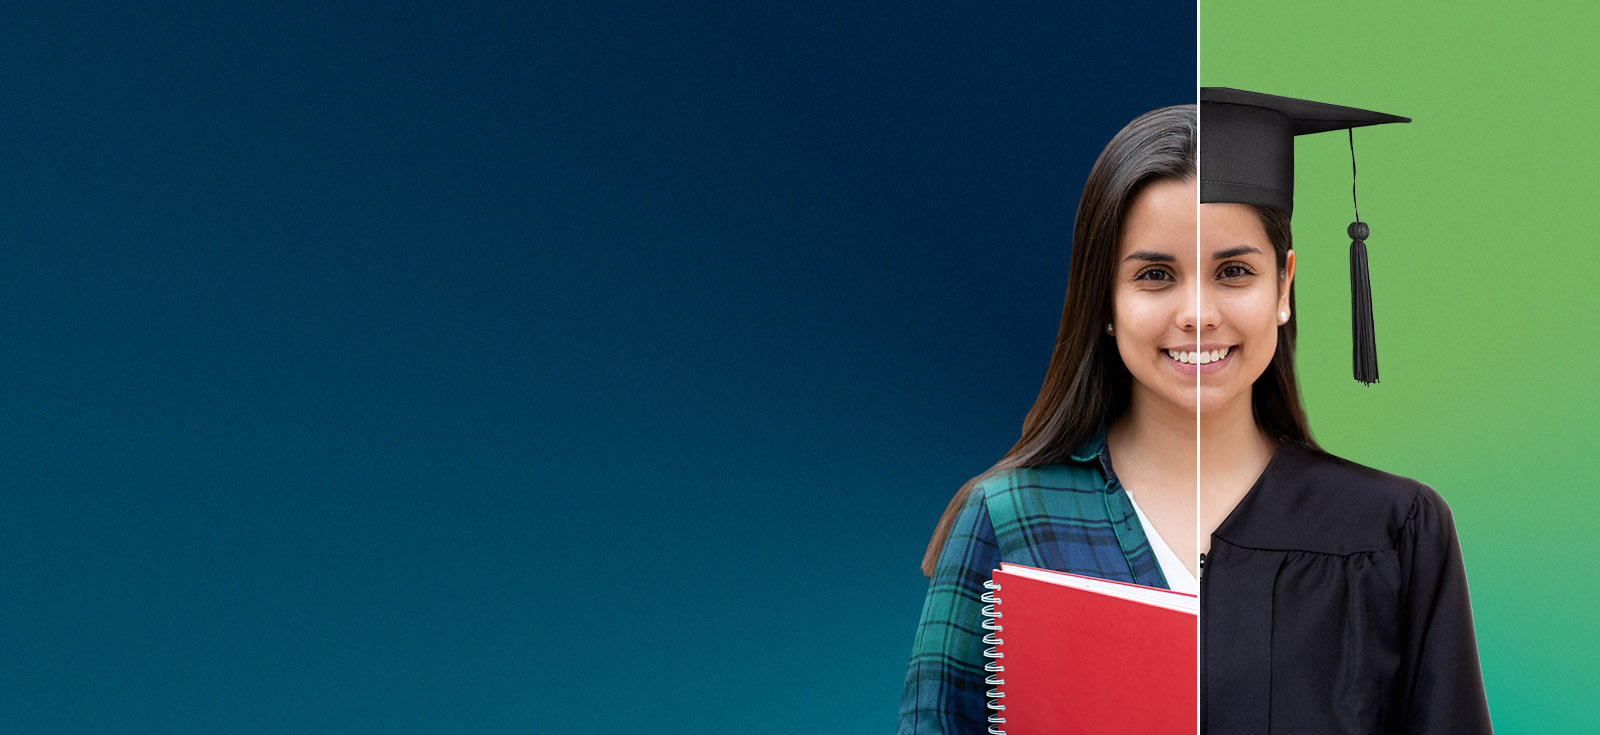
x=1333, y=600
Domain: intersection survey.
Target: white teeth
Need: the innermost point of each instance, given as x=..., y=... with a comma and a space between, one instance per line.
x=1198, y=358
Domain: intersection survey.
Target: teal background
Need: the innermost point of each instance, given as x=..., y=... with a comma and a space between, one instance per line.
x=1484, y=219
x=509, y=367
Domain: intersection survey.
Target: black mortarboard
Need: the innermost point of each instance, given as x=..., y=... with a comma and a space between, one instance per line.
x=1247, y=157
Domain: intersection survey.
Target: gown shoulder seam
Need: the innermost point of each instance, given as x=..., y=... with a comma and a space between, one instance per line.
x=1303, y=551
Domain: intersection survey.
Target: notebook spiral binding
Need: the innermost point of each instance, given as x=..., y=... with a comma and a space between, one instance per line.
x=991, y=623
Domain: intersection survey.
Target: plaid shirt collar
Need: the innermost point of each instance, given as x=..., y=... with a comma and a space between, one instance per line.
x=1094, y=449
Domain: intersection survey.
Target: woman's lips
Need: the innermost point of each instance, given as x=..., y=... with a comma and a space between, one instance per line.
x=1200, y=362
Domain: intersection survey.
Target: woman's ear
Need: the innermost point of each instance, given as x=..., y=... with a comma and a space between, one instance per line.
x=1284, y=282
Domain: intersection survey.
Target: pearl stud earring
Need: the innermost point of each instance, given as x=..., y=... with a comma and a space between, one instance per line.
x=1283, y=317
x=1110, y=329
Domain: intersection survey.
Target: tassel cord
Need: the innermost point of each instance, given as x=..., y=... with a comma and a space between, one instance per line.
x=1365, y=354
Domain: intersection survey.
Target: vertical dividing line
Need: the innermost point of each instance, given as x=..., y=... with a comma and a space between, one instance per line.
x=1199, y=541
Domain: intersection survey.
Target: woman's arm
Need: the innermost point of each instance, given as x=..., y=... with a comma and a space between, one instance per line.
x=1440, y=681
x=944, y=688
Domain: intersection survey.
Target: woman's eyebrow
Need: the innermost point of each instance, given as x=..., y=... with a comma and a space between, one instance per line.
x=1149, y=255
x=1236, y=251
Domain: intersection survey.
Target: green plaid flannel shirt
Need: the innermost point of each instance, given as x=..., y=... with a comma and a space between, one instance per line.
x=1071, y=517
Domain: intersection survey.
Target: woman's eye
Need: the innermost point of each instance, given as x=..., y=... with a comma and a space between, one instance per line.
x=1235, y=270
x=1153, y=274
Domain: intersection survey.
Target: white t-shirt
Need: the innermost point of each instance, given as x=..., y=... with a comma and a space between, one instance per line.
x=1178, y=576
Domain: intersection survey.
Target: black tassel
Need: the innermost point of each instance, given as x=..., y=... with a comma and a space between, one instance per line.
x=1366, y=344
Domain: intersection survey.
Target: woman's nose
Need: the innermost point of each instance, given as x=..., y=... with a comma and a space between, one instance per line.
x=1197, y=311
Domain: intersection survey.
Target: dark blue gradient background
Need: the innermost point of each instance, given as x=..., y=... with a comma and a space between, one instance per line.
x=435, y=368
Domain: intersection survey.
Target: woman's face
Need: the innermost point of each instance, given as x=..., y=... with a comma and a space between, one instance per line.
x=1179, y=315
x=1153, y=297
x=1243, y=299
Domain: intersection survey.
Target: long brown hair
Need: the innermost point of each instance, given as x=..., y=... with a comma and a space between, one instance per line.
x=1275, y=397
x=1086, y=385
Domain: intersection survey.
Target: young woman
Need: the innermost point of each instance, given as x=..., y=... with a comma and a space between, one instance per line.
x=1334, y=599
x=1121, y=383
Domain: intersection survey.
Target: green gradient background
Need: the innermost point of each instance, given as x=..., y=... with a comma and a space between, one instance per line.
x=1484, y=219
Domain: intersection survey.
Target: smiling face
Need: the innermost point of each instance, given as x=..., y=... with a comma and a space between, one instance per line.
x=1153, y=294
x=1244, y=297
x=1180, y=316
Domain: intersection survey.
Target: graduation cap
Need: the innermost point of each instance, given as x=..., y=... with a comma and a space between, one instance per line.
x=1247, y=157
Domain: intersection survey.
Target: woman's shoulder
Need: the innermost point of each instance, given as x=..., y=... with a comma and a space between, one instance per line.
x=1371, y=487
x=1339, y=505
x=1073, y=477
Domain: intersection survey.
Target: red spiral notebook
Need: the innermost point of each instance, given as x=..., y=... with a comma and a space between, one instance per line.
x=1074, y=654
